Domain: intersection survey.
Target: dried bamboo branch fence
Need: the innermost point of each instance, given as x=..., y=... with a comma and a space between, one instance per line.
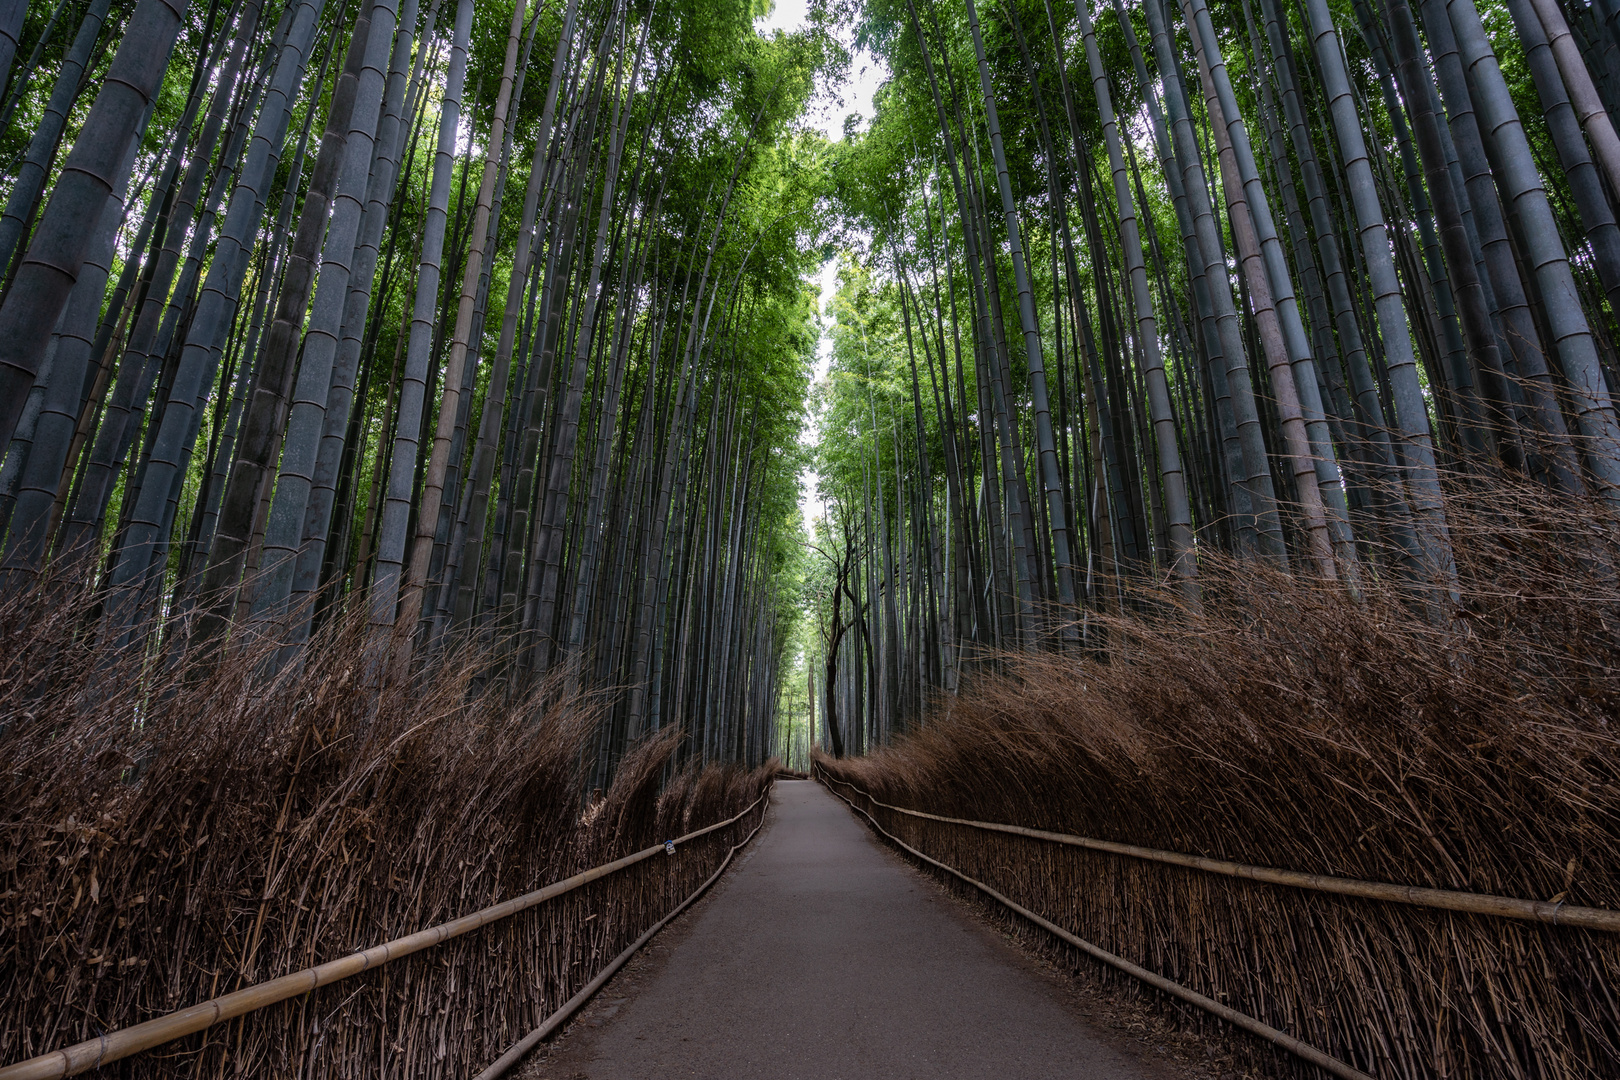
x=1351, y=994
x=117, y=1045
x=1301, y=1050
x=1507, y=907
x=264, y=826
x=518, y=1050
x=1162, y=786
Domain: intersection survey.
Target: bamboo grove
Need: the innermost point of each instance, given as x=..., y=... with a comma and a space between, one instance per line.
x=488, y=327
x=1138, y=290
x=483, y=324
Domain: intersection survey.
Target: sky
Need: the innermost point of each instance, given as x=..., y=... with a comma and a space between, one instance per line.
x=828, y=108
x=831, y=104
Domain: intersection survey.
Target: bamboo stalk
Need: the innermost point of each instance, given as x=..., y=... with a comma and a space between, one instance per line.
x=1506, y=907
x=93, y=1053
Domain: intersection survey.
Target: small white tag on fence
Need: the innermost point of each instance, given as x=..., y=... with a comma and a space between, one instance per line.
x=669, y=847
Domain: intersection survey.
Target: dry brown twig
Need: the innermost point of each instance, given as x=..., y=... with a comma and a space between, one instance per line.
x=171, y=832
x=1288, y=726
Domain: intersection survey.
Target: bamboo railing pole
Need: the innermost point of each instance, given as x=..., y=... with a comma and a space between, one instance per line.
x=501, y=1065
x=91, y=1053
x=1303, y=1050
x=1507, y=907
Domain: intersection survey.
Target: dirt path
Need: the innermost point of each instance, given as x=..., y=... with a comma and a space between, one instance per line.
x=823, y=956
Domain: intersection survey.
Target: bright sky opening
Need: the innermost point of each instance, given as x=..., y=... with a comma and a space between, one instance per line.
x=828, y=108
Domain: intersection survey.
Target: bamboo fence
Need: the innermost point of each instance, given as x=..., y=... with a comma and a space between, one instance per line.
x=1391, y=840
x=268, y=825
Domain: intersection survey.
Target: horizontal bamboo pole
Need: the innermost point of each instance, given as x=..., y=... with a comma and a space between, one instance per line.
x=1507, y=907
x=75, y=1059
x=1302, y=1050
x=501, y=1065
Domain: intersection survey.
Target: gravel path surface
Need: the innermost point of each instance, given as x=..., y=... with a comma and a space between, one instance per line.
x=822, y=955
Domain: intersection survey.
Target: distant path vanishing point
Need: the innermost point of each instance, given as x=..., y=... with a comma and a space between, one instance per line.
x=825, y=958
